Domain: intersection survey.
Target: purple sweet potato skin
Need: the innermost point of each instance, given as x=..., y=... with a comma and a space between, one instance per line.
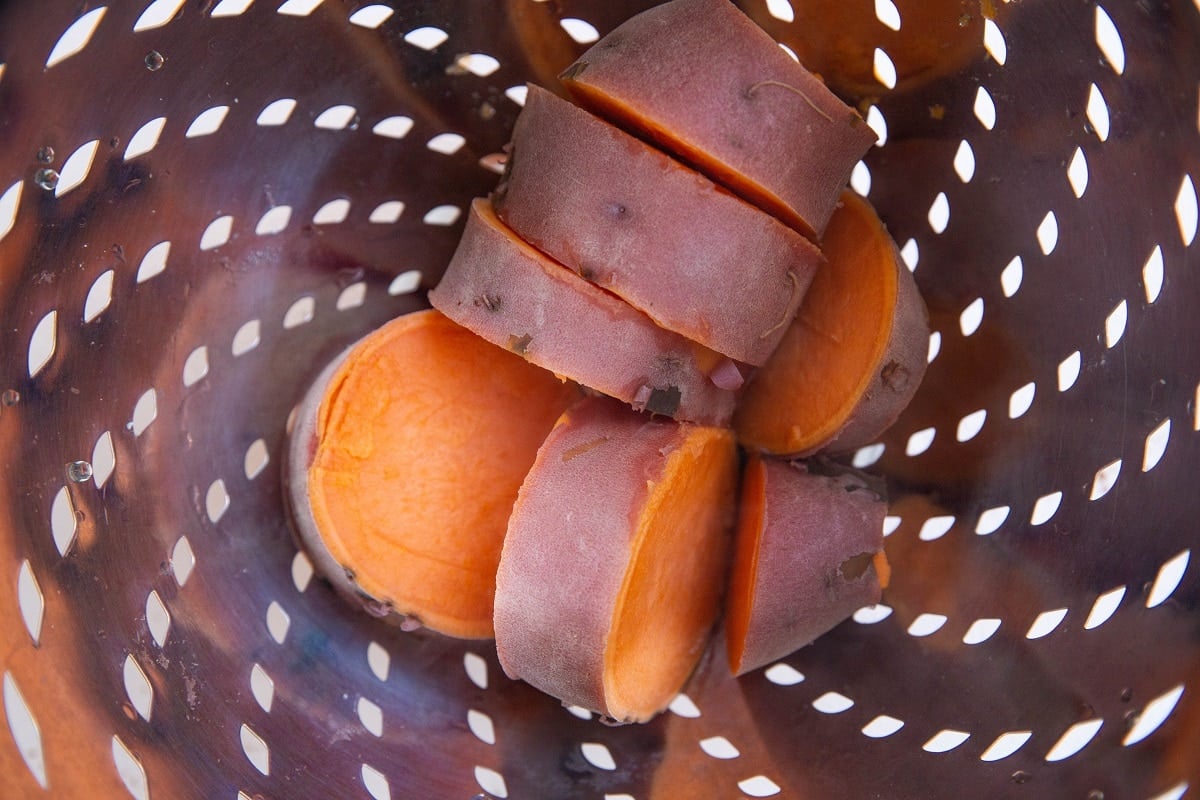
x=798, y=143
x=811, y=525
x=696, y=259
x=564, y=559
x=516, y=298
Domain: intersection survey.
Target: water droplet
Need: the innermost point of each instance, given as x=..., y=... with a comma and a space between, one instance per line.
x=154, y=61
x=1021, y=776
x=10, y=397
x=1126, y=694
x=46, y=178
x=79, y=471
x=45, y=154
x=410, y=624
x=486, y=110
x=1095, y=794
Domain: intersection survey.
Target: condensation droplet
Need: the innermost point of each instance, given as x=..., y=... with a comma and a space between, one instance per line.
x=45, y=154
x=154, y=61
x=1021, y=776
x=46, y=178
x=79, y=471
x=10, y=397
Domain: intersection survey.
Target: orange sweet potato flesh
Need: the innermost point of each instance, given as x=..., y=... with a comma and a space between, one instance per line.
x=853, y=357
x=808, y=553
x=614, y=564
x=701, y=80
x=405, y=462
x=662, y=237
x=514, y=296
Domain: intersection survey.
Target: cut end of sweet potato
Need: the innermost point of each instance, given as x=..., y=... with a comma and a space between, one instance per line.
x=658, y=635
x=855, y=353
x=613, y=567
x=743, y=575
x=808, y=554
x=405, y=463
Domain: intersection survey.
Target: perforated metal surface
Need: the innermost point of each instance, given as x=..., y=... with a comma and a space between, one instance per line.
x=243, y=188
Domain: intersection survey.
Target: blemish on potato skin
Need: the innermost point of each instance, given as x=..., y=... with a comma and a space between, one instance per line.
x=895, y=376
x=664, y=401
x=617, y=211
x=489, y=301
x=580, y=449
x=519, y=344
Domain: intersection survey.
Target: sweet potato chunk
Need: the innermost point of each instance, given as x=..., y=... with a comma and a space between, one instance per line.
x=615, y=558
x=404, y=463
x=512, y=295
x=809, y=552
x=703, y=81
x=659, y=235
x=853, y=357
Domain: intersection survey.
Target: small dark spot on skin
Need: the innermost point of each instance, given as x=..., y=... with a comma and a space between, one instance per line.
x=670, y=362
x=519, y=344
x=491, y=302
x=588, y=274
x=617, y=210
x=895, y=376
x=937, y=111
x=664, y=401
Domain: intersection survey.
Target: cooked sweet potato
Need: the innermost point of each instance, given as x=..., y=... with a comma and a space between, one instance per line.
x=703, y=81
x=853, y=357
x=511, y=294
x=615, y=558
x=659, y=235
x=809, y=553
x=404, y=463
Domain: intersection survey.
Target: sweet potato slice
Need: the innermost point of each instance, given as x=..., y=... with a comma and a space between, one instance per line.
x=699, y=78
x=614, y=563
x=808, y=554
x=404, y=463
x=511, y=294
x=853, y=357
x=659, y=235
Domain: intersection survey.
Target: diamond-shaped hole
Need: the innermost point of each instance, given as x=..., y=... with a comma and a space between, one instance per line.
x=276, y=113
x=138, y=689
x=598, y=755
x=1105, y=606
x=75, y=37
x=183, y=560
x=256, y=750
x=206, y=123
x=43, y=343
x=76, y=168
x=262, y=687
x=882, y=726
x=24, y=729
x=158, y=619
x=30, y=600
x=1074, y=739
x=154, y=262
x=481, y=725
x=130, y=770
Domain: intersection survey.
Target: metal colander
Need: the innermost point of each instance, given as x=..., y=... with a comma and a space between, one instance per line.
x=203, y=202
